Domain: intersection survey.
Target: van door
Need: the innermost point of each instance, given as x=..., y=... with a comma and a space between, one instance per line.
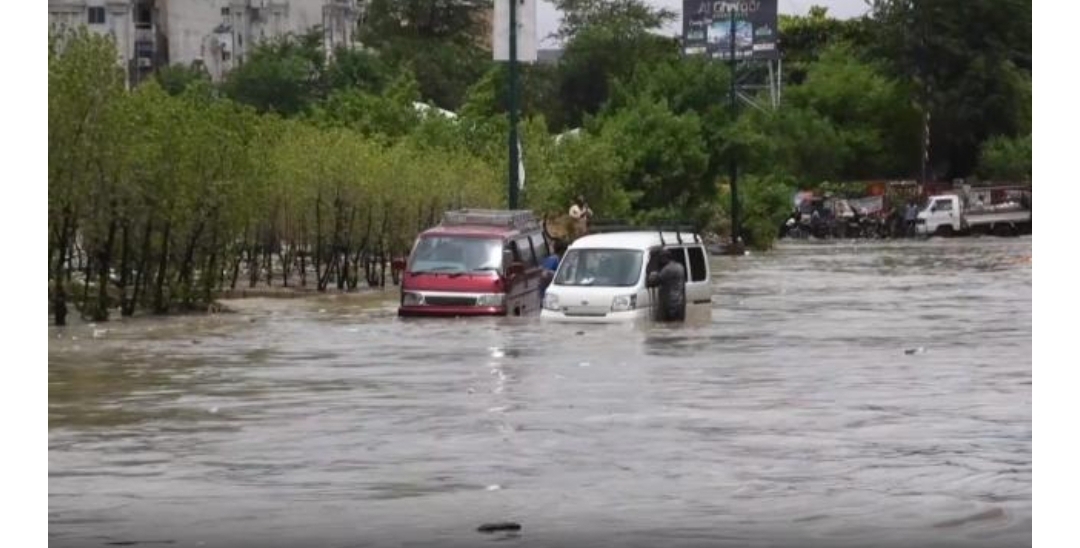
x=699, y=284
x=939, y=213
x=523, y=296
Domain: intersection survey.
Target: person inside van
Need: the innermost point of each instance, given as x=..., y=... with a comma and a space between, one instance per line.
x=671, y=294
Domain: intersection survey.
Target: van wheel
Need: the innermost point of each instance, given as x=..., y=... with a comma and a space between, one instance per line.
x=945, y=231
x=1004, y=230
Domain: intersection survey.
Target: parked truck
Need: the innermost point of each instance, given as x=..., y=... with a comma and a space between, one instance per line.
x=1004, y=212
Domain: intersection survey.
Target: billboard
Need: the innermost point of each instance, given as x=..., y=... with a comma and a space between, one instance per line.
x=526, y=30
x=707, y=28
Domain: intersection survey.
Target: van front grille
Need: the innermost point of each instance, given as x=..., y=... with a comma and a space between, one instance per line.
x=441, y=300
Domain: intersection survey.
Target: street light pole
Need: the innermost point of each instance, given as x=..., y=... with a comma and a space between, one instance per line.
x=733, y=165
x=513, y=163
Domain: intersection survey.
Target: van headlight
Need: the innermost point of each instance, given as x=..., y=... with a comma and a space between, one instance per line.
x=551, y=302
x=410, y=298
x=491, y=299
x=624, y=303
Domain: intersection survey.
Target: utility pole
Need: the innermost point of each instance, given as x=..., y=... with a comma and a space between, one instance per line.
x=513, y=163
x=734, y=165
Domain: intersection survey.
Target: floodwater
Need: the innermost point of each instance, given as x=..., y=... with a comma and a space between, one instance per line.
x=842, y=394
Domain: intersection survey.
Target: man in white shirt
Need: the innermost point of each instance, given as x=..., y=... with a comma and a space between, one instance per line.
x=579, y=209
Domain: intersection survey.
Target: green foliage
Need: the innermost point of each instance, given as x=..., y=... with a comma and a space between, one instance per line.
x=971, y=60
x=436, y=39
x=664, y=154
x=359, y=69
x=282, y=75
x=174, y=79
x=872, y=114
x=607, y=42
x=1006, y=159
x=765, y=202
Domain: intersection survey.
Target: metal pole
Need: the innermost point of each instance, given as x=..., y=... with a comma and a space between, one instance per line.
x=513, y=191
x=734, y=166
x=779, y=79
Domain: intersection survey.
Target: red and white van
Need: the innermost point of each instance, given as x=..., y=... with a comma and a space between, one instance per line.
x=476, y=262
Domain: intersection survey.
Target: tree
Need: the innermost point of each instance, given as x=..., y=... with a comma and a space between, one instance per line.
x=664, y=154
x=970, y=61
x=436, y=39
x=355, y=68
x=607, y=41
x=1006, y=159
x=872, y=114
x=283, y=75
x=174, y=79
x=804, y=38
x=84, y=83
x=629, y=17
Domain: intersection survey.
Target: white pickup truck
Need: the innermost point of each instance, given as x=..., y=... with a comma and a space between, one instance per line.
x=951, y=214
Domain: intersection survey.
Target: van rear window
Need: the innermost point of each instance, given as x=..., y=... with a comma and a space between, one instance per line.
x=697, y=264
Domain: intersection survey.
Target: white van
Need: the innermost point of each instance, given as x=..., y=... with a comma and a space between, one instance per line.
x=602, y=276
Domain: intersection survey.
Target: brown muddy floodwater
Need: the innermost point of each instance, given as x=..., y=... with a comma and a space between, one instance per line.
x=794, y=417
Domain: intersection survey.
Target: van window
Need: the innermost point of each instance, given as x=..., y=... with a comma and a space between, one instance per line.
x=943, y=205
x=540, y=246
x=677, y=254
x=525, y=251
x=600, y=268
x=697, y=264
x=455, y=254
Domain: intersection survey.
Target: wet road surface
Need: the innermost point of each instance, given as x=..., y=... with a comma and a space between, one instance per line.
x=841, y=395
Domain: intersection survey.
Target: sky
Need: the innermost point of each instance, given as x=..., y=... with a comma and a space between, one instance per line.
x=547, y=17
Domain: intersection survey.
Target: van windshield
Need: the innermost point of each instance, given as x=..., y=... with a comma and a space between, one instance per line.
x=456, y=254
x=600, y=267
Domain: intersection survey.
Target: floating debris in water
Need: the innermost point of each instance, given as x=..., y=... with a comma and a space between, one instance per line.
x=580, y=333
x=99, y=333
x=497, y=352
x=583, y=364
x=919, y=350
x=213, y=410
x=493, y=487
x=500, y=526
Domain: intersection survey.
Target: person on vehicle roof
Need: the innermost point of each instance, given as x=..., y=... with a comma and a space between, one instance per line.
x=671, y=293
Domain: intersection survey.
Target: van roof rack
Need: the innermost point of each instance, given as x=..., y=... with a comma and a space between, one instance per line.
x=678, y=228
x=516, y=218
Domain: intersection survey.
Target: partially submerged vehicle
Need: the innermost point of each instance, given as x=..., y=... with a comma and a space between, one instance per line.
x=476, y=262
x=976, y=211
x=602, y=277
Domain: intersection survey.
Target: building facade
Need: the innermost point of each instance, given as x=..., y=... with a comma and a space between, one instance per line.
x=214, y=34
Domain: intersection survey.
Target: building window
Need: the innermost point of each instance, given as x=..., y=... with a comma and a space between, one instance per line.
x=143, y=17
x=225, y=11
x=96, y=15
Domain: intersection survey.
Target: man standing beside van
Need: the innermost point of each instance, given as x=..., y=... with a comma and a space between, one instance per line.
x=671, y=293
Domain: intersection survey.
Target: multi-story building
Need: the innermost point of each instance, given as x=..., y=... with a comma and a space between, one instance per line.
x=216, y=34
